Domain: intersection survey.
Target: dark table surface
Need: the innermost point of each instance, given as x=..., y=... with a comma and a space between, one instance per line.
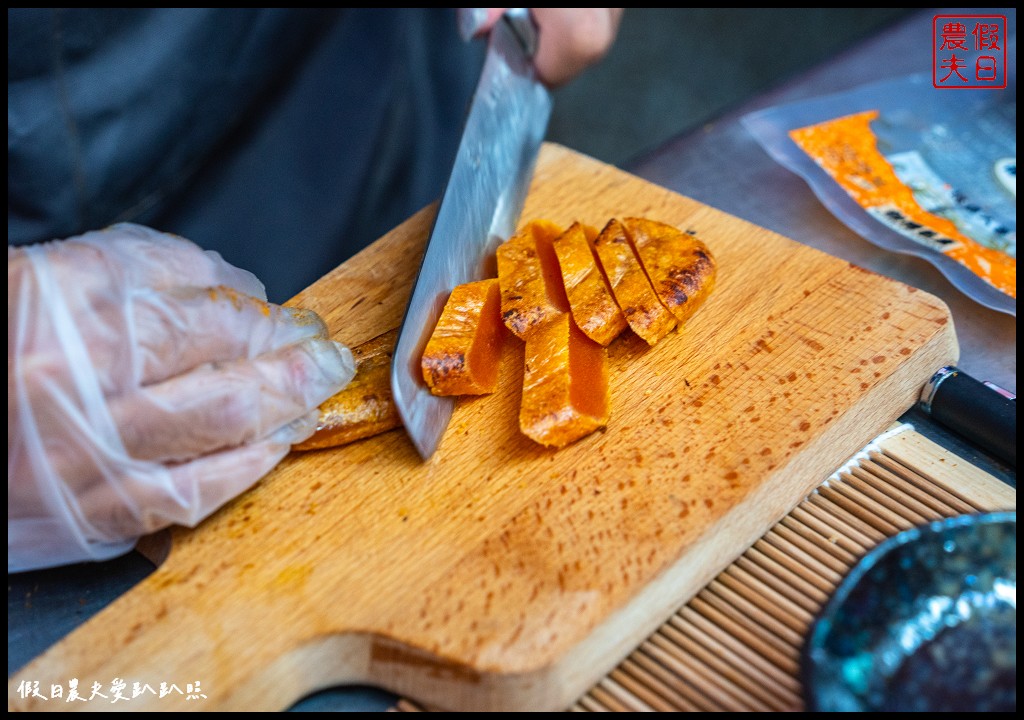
x=721, y=165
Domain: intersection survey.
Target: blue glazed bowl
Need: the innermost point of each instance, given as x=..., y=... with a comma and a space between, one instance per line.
x=926, y=621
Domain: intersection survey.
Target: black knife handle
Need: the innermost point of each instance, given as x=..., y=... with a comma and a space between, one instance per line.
x=983, y=415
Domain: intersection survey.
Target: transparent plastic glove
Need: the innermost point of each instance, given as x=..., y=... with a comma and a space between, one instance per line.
x=148, y=382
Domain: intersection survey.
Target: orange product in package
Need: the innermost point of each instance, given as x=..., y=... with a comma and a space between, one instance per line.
x=847, y=149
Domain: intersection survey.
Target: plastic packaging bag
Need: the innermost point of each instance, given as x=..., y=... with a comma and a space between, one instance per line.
x=914, y=170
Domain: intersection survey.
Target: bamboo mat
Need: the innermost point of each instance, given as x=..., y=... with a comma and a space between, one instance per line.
x=735, y=646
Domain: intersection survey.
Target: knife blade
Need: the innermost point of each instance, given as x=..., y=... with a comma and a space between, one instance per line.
x=480, y=206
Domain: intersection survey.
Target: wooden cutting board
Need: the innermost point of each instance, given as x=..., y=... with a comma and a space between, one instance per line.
x=499, y=574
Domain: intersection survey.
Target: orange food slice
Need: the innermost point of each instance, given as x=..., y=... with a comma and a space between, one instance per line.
x=680, y=267
x=464, y=351
x=365, y=406
x=646, y=316
x=531, y=283
x=565, y=384
x=593, y=307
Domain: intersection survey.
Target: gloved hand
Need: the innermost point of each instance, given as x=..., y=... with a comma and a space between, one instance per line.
x=148, y=382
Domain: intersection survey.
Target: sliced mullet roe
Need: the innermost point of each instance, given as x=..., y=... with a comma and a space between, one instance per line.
x=680, y=267
x=593, y=307
x=364, y=407
x=646, y=316
x=464, y=351
x=531, y=283
x=565, y=384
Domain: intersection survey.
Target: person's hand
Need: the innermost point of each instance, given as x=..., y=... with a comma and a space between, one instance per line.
x=571, y=39
x=148, y=382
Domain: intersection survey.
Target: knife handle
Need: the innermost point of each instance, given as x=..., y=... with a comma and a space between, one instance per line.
x=523, y=27
x=981, y=413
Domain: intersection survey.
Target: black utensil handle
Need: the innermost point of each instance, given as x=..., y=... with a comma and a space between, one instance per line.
x=982, y=414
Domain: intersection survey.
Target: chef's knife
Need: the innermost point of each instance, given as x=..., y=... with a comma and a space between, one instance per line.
x=479, y=209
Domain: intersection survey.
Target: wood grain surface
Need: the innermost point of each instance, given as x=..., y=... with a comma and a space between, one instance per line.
x=499, y=574
x=736, y=646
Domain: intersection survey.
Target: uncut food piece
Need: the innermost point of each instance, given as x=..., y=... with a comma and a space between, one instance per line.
x=680, y=267
x=593, y=307
x=646, y=316
x=364, y=407
x=531, y=283
x=463, y=354
x=565, y=384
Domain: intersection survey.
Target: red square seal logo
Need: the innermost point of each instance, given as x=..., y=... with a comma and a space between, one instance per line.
x=969, y=51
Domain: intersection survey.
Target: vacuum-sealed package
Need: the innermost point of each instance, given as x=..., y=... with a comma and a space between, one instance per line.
x=916, y=170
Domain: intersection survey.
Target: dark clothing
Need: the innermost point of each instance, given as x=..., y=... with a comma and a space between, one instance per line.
x=285, y=139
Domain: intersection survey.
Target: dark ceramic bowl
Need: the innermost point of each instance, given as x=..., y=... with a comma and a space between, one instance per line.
x=926, y=621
